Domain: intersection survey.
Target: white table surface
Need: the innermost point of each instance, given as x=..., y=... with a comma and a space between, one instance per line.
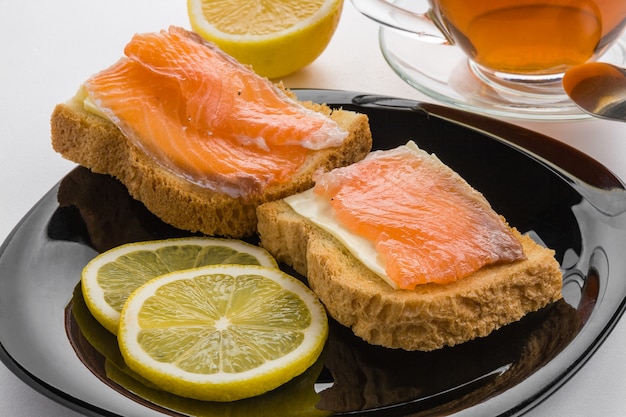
x=48, y=48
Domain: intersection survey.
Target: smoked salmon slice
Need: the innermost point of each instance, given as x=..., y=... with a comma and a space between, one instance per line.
x=425, y=220
x=206, y=117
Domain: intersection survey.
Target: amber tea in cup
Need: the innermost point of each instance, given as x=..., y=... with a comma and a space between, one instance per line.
x=519, y=40
x=532, y=37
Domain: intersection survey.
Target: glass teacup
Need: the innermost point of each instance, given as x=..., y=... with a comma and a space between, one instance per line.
x=524, y=45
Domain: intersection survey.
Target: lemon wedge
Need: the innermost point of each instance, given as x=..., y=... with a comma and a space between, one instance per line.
x=275, y=37
x=223, y=332
x=112, y=276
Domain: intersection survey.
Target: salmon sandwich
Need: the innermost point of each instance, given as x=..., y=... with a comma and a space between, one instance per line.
x=199, y=138
x=405, y=252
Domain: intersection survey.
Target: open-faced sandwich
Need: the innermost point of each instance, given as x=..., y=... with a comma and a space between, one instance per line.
x=197, y=137
x=406, y=253
x=397, y=245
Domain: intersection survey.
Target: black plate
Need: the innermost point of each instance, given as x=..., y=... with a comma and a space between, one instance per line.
x=569, y=201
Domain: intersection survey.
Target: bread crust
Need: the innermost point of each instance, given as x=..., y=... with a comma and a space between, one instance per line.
x=97, y=144
x=431, y=316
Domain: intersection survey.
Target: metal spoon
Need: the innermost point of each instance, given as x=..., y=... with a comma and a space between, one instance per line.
x=598, y=88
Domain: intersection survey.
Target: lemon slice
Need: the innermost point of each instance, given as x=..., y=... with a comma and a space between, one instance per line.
x=223, y=332
x=112, y=276
x=275, y=37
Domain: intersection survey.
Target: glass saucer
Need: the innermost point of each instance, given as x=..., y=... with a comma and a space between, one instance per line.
x=444, y=73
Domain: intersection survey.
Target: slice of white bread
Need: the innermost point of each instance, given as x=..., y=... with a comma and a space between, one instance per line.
x=431, y=316
x=99, y=145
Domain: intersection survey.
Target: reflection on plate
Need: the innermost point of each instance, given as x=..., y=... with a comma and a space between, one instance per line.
x=444, y=73
x=361, y=377
x=567, y=200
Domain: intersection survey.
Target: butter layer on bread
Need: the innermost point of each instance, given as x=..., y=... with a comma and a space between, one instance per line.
x=423, y=221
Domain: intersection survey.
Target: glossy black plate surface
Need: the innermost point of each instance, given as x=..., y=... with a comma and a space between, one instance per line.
x=569, y=201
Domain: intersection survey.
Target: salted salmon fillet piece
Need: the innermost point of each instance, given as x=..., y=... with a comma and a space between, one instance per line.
x=426, y=221
x=206, y=117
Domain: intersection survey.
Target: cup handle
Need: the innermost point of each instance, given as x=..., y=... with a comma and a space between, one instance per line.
x=425, y=25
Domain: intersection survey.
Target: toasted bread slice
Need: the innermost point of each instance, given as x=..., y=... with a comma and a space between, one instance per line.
x=98, y=144
x=431, y=316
